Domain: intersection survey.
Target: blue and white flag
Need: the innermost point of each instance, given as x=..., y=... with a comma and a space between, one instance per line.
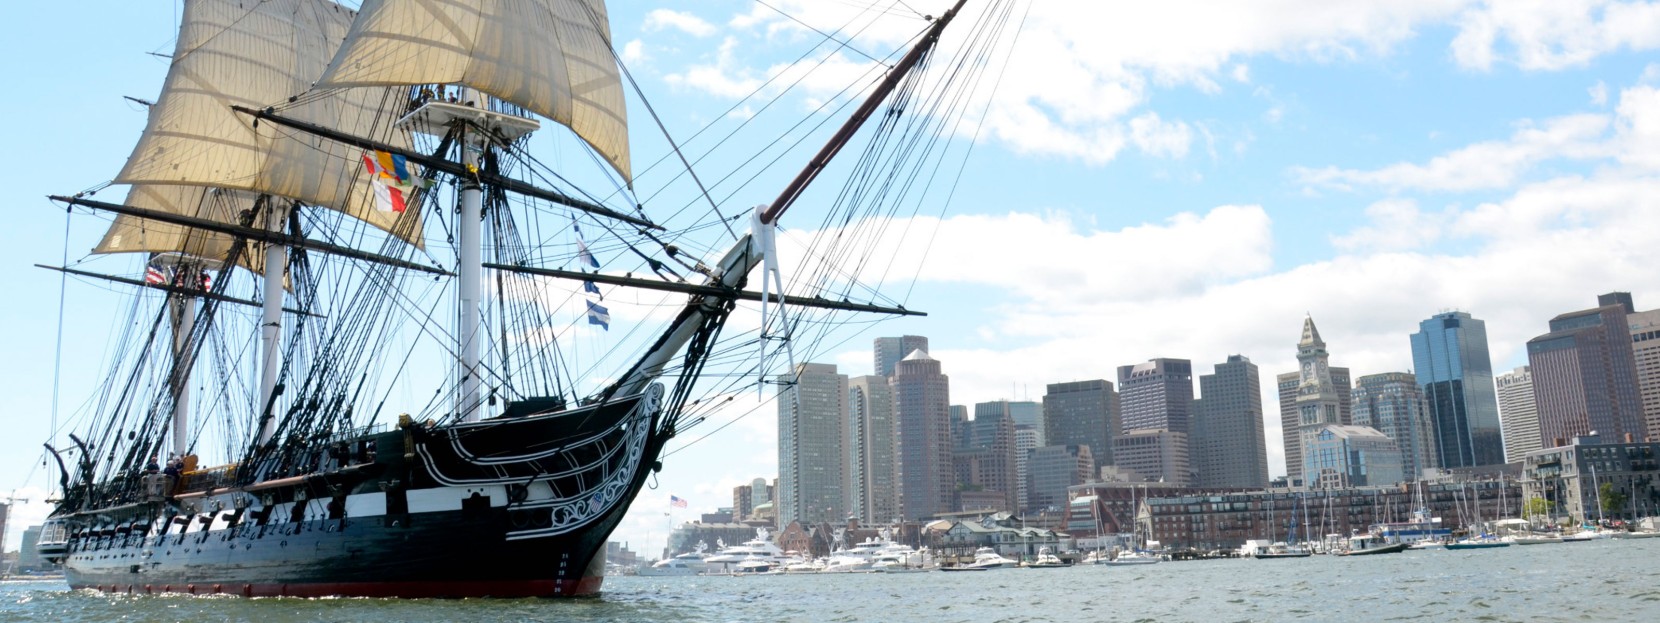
x=599, y=315
x=583, y=256
x=589, y=287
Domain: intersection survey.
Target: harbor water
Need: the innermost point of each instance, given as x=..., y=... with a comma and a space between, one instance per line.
x=1596, y=581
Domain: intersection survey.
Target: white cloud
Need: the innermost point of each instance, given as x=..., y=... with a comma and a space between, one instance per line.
x=1553, y=34
x=634, y=53
x=661, y=19
x=1491, y=164
x=1157, y=138
x=1598, y=93
x=1241, y=73
x=1396, y=225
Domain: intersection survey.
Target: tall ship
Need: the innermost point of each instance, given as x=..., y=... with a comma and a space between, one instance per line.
x=367, y=348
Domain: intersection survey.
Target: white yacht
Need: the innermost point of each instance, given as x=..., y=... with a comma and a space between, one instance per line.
x=689, y=563
x=758, y=549
x=988, y=558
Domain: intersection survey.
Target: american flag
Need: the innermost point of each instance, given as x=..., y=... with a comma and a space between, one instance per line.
x=676, y=502
x=152, y=275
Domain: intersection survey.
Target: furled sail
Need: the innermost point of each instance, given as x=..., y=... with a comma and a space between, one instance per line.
x=552, y=57
x=131, y=234
x=259, y=54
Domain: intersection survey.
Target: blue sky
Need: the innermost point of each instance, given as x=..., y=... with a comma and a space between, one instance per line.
x=1172, y=179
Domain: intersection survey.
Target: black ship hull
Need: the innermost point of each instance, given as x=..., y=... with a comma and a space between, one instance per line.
x=504, y=508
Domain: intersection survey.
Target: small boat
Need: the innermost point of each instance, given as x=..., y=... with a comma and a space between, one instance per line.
x=1478, y=543
x=1428, y=544
x=1281, y=550
x=1533, y=539
x=988, y=558
x=1640, y=534
x=1368, y=544
x=1047, y=560
x=1587, y=534
x=1130, y=558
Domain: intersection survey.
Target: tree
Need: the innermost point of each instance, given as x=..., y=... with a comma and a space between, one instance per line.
x=1613, y=500
x=1537, y=507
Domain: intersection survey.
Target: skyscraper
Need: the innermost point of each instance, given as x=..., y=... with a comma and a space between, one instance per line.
x=991, y=436
x=921, y=398
x=1518, y=414
x=1456, y=375
x=1228, y=448
x=872, y=457
x=1312, y=364
x=1155, y=455
x=1054, y=469
x=1645, y=349
x=1082, y=413
x=1027, y=413
x=1156, y=394
x=1025, y=441
x=1585, y=374
x=1393, y=404
x=812, y=445
x=889, y=350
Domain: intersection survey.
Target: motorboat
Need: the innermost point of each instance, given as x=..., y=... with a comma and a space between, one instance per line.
x=689, y=563
x=1047, y=560
x=1533, y=538
x=1131, y=557
x=1368, y=544
x=1479, y=542
x=1281, y=550
x=988, y=558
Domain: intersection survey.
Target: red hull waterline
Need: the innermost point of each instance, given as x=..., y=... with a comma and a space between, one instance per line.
x=589, y=585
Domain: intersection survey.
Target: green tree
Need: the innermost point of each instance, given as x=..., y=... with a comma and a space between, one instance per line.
x=1538, y=507
x=1613, y=500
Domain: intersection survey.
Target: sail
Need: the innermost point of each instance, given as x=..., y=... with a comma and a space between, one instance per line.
x=259, y=54
x=552, y=57
x=131, y=234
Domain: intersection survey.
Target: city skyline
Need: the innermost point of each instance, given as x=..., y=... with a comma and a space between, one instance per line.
x=1183, y=190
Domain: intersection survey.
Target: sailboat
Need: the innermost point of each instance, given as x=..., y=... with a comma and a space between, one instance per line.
x=303, y=161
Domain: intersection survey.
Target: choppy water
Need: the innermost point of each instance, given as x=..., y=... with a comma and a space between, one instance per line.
x=1598, y=581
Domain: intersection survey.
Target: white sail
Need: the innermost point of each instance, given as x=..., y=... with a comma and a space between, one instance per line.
x=131, y=234
x=552, y=57
x=259, y=54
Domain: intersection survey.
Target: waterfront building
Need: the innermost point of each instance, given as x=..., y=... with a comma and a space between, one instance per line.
x=1518, y=414
x=1153, y=455
x=889, y=350
x=1223, y=519
x=872, y=480
x=812, y=444
x=28, y=554
x=1156, y=394
x=1325, y=385
x=1393, y=404
x=1006, y=533
x=1570, y=477
x=1338, y=456
x=1318, y=399
x=1228, y=446
x=1054, y=470
x=1645, y=351
x=1585, y=375
x=1082, y=413
x=921, y=399
x=1455, y=373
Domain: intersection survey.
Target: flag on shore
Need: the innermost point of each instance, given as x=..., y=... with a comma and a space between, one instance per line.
x=676, y=502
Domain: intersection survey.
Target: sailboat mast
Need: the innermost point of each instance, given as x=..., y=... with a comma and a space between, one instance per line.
x=270, y=325
x=469, y=272
x=182, y=313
